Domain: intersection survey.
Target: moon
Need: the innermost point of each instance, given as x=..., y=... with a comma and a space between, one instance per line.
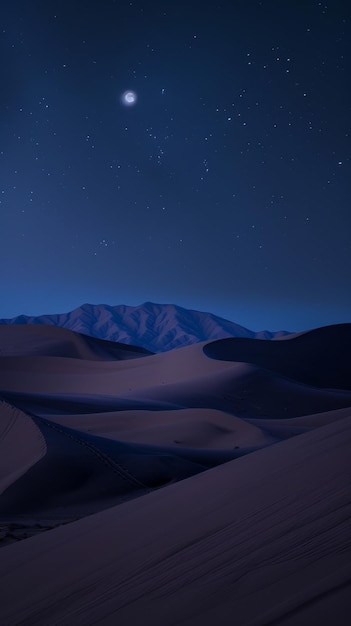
x=129, y=98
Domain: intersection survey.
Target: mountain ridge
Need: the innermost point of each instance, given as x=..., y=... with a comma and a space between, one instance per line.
x=154, y=327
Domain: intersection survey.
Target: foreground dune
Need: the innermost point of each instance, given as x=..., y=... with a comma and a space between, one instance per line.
x=205, y=485
x=265, y=538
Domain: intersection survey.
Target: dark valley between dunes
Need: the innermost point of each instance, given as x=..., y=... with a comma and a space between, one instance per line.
x=161, y=466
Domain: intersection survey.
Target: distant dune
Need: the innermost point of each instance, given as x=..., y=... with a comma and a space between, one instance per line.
x=208, y=484
x=301, y=357
x=24, y=340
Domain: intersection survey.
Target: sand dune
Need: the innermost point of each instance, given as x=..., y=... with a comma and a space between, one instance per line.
x=196, y=485
x=302, y=357
x=27, y=340
x=264, y=538
x=249, y=391
x=289, y=427
x=198, y=428
x=80, y=469
x=63, y=374
x=17, y=429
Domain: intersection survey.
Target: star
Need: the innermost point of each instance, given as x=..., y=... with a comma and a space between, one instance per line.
x=129, y=98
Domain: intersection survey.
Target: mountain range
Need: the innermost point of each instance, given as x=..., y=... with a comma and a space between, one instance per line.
x=154, y=327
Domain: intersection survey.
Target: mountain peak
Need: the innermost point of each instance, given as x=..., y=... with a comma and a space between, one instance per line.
x=155, y=327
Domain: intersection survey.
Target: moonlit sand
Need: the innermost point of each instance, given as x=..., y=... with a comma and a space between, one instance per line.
x=208, y=484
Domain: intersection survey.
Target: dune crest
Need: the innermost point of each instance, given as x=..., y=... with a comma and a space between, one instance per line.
x=304, y=357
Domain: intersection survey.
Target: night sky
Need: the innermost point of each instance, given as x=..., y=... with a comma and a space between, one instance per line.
x=223, y=186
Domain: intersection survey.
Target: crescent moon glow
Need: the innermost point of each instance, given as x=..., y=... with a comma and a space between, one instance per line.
x=129, y=98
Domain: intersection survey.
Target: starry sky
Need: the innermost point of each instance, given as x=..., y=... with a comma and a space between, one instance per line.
x=188, y=152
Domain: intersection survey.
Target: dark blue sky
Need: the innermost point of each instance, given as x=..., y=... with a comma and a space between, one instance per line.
x=225, y=187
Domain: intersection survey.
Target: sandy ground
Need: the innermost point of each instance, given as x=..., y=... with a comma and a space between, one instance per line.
x=204, y=485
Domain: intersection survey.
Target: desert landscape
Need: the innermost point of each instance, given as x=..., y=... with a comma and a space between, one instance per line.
x=200, y=482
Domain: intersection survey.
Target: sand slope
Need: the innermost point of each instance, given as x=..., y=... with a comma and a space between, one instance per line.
x=16, y=458
x=265, y=538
